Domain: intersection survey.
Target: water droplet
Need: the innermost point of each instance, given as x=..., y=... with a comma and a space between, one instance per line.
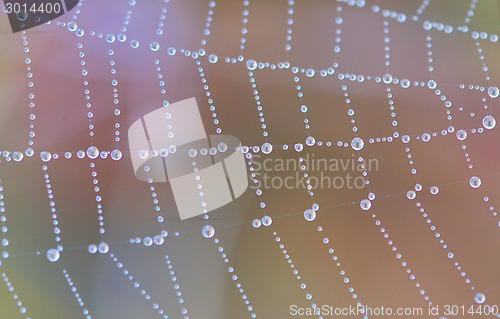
x=387, y=78
x=493, y=92
x=434, y=190
x=92, y=152
x=309, y=215
x=116, y=154
x=405, y=138
x=267, y=148
x=426, y=137
x=122, y=37
x=110, y=38
x=357, y=143
x=405, y=83
x=432, y=84
x=411, y=194
x=267, y=220
x=208, y=231
x=480, y=298
x=143, y=154
x=222, y=147
x=17, y=156
x=365, y=204
x=155, y=46
x=299, y=147
x=251, y=65
x=148, y=241
x=29, y=152
x=158, y=240
x=310, y=72
x=256, y=223
x=103, y=248
x=45, y=156
x=371, y=196
x=134, y=44
x=72, y=26
x=163, y=152
x=192, y=152
x=475, y=182
x=92, y=248
x=310, y=141
x=212, y=58
x=489, y=122
x=461, y=135
x=53, y=255
x=171, y=51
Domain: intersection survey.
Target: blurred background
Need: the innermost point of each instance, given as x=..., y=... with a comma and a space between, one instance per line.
x=451, y=272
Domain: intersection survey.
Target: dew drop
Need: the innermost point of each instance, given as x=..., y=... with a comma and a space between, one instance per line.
x=461, y=135
x=72, y=26
x=155, y=46
x=134, y=44
x=53, y=255
x=405, y=83
x=365, y=204
x=475, y=182
x=411, y=194
x=92, y=248
x=143, y=154
x=92, y=152
x=103, y=248
x=158, y=240
x=309, y=215
x=256, y=223
x=310, y=141
x=267, y=220
x=434, y=190
x=192, y=152
x=493, y=92
x=148, y=241
x=387, y=78
x=212, y=58
x=116, y=154
x=480, y=298
x=267, y=148
x=17, y=156
x=208, y=231
x=489, y=122
x=222, y=147
x=251, y=64
x=432, y=84
x=357, y=143
x=110, y=38
x=45, y=156
x=171, y=51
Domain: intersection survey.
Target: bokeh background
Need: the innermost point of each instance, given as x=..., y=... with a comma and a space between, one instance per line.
x=459, y=212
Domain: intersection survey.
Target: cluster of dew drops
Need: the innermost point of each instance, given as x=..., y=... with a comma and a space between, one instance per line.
x=208, y=231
